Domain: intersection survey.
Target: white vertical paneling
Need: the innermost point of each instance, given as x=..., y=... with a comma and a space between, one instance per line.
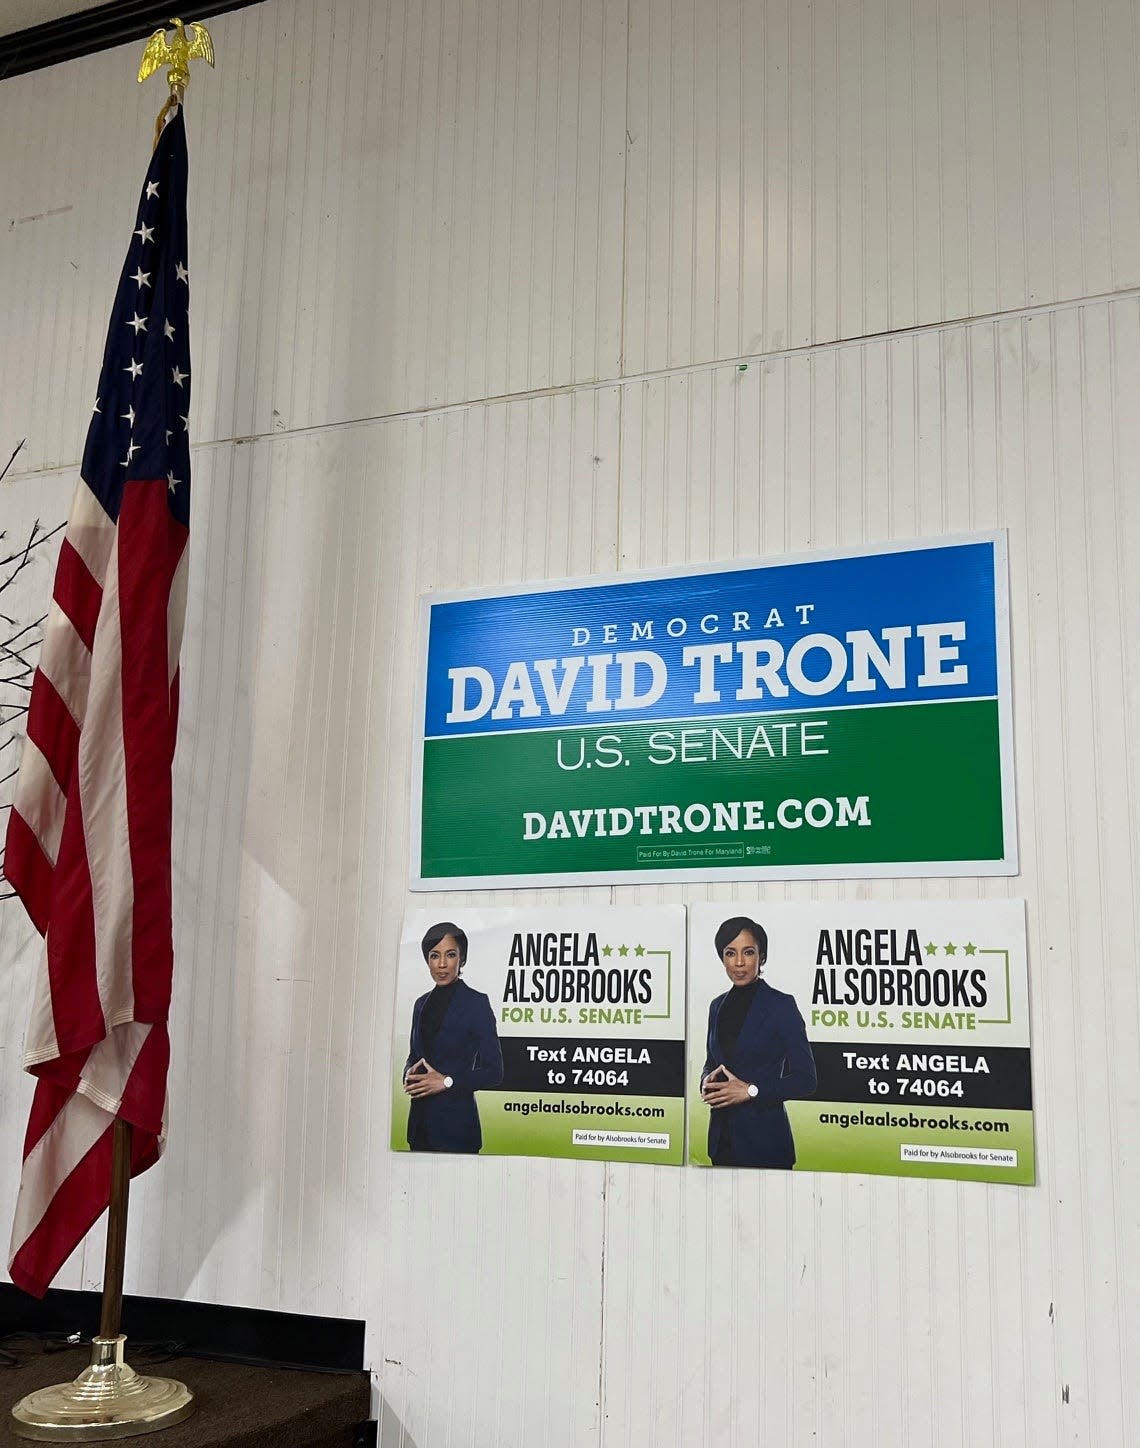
x=797, y=1308
x=394, y=205
x=486, y=291
x=897, y=164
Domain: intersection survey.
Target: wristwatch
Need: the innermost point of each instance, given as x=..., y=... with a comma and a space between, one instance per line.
x=448, y=1083
x=754, y=1091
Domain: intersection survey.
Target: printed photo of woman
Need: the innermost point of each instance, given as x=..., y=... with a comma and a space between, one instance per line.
x=453, y=1052
x=757, y=1056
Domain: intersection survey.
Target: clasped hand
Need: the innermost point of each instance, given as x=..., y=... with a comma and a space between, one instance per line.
x=722, y=1088
x=423, y=1079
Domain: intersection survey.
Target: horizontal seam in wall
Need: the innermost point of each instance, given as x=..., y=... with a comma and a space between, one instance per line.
x=689, y=369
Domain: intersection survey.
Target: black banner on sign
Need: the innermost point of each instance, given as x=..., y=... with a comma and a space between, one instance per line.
x=987, y=1076
x=562, y=1063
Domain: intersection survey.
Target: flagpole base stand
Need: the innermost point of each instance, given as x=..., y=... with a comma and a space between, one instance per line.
x=107, y=1400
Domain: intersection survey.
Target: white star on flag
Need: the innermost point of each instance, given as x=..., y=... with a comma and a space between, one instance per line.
x=144, y=233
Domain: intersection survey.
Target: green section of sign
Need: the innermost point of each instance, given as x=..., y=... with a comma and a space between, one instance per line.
x=899, y=783
x=875, y=1144
x=544, y=1123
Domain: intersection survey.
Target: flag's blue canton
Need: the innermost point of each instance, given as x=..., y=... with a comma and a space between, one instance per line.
x=141, y=425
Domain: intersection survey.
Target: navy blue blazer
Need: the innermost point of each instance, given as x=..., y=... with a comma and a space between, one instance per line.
x=466, y=1049
x=773, y=1054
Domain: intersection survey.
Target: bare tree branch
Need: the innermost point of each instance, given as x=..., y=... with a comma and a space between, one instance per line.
x=11, y=460
x=19, y=650
x=25, y=553
x=34, y=624
x=18, y=656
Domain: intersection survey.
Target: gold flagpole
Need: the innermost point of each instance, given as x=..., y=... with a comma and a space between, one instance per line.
x=111, y=1317
x=109, y=1399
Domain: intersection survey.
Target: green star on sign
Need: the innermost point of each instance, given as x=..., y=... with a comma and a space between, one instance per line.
x=971, y=948
x=931, y=948
x=950, y=949
x=623, y=949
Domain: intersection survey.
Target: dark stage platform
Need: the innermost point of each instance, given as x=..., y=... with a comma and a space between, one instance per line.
x=237, y=1406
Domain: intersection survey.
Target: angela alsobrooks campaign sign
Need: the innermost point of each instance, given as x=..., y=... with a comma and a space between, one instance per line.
x=542, y=1032
x=861, y=1036
x=828, y=715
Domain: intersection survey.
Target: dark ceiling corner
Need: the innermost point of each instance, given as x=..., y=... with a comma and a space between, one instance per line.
x=99, y=28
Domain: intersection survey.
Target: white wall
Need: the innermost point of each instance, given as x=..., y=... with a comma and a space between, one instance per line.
x=473, y=284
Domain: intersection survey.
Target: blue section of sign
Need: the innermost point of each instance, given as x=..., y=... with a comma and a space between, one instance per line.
x=482, y=637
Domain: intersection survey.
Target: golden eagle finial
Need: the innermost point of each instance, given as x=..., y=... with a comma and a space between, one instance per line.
x=185, y=48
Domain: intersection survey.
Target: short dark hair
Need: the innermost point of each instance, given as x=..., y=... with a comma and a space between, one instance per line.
x=436, y=934
x=732, y=928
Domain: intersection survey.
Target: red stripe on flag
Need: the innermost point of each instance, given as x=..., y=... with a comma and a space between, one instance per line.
x=52, y=729
x=84, y=1195
x=28, y=870
x=47, y=1103
x=77, y=593
x=75, y=1002
x=144, y=1097
x=144, y=1150
x=150, y=544
x=74, y=1209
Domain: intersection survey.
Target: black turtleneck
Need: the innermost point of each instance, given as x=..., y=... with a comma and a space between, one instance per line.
x=732, y=1014
x=434, y=1011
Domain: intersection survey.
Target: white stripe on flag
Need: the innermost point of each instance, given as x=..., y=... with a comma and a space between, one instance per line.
x=40, y=1043
x=103, y=797
x=51, y=1161
x=84, y=1118
x=65, y=662
x=39, y=801
x=176, y=614
x=90, y=532
x=110, y=1063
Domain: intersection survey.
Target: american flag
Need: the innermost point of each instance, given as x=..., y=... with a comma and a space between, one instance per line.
x=88, y=841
